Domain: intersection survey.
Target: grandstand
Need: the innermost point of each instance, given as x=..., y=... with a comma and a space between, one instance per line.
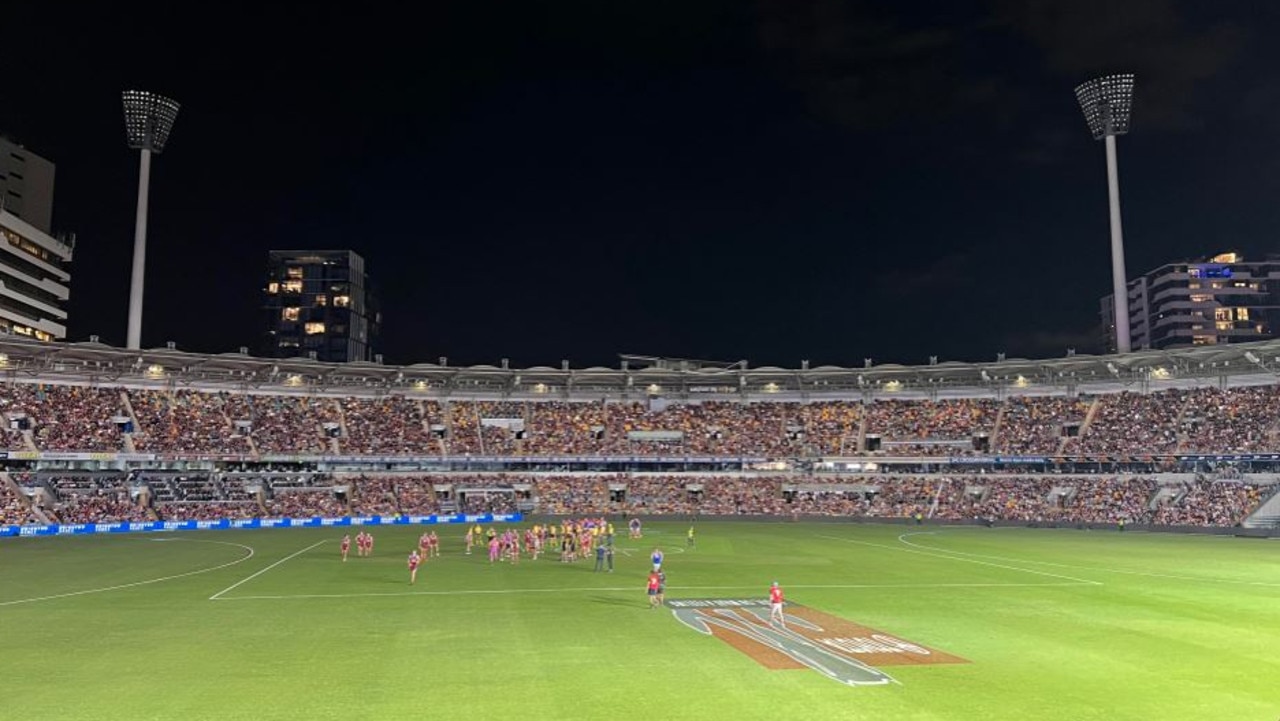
x=1171, y=438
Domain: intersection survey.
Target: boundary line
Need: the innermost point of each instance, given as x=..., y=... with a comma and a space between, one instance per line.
x=242, y=559
x=246, y=579
x=1149, y=574
x=934, y=554
x=635, y=589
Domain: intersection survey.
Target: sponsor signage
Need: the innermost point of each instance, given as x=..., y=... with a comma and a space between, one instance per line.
x=843, y=651
x=76, y=529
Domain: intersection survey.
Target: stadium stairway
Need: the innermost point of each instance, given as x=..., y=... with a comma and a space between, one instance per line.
x=336, y=443
x=1268, y=513
x=29, y=441
x=993, y=442
x=1167, y=494
x=1089, y=415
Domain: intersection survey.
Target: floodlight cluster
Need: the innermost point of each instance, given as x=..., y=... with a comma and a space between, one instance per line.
x=148, y=118
x=1107, y=102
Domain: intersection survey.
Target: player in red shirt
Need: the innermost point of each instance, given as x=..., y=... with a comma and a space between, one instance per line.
x=654, y=588
x=435, y=544
x=346, y=547
x=368, y=544
x=424, y=546
x=414, y=560
x=775, y=605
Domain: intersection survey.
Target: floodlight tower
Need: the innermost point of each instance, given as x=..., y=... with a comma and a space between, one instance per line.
x=148, y=118
x=1107, y=102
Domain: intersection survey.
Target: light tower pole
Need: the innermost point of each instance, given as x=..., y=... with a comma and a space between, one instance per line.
x=148, y=118
x=1107, y=102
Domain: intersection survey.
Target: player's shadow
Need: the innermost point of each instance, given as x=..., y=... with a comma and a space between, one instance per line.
x=618, y=601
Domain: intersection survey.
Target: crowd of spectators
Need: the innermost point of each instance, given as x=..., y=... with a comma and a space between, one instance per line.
x=207, y=510
x=63, y=418
x=286, y=424
x=14, y=511
x=390, y=425
x=1235, y=420
x=927, y=428
x=1031, y=499
x=1132, y=424
x=90, y=419
x=1037, y=425
x=1209, y=503
x=184, y=421
x=305, y=503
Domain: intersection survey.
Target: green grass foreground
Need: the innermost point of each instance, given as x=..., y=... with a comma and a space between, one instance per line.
x=1057, y=624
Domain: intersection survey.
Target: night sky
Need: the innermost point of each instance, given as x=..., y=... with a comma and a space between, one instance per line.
x=770, y=181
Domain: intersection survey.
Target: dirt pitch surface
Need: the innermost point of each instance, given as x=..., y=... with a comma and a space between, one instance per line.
x=845, y=651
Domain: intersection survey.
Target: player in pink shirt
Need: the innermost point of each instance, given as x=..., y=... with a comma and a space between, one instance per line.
x=346, y=547
x=776, y=601
x=414, y=561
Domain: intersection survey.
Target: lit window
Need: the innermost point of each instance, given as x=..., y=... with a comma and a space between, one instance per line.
x=341, y=301
x=288, y=342
x=291, y=286
x=1200, y=298
x=1194, y=285
x=273, y=287
x=1223, y=325
x=1203, y=340
x=313, y=328
x=1194, y=272
x=1222, y=314
x=293, y=273
x=322, y=300
x=289, y=313
x=1242, y=314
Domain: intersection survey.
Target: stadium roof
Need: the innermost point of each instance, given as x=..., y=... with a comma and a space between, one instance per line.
x=26, y=359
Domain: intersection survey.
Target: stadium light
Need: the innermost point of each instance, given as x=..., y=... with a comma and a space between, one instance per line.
x=148, y=119
x=1107, y=102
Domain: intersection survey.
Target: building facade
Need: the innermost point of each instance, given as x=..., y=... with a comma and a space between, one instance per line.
x=26, y=185
x=35, y=283
x=319, y=303
x=1214, y=301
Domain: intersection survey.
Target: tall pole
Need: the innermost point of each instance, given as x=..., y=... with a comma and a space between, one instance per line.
x=148, y=119
x=1119, y=280
x=134, y=338
x=1106, y=103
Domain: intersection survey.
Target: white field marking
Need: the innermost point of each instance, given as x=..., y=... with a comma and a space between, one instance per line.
x=1149, y=574
x=633, y=589
x=1078, y=581
x=242, y=559
x=254, y=575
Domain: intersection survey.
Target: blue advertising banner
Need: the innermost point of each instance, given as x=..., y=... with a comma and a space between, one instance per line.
x=78, y=529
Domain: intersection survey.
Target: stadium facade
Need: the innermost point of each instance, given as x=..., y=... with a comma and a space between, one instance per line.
x=1218, y=300
x=319, y=304
x=505, y=403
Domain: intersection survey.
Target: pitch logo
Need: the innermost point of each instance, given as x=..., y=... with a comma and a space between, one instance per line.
x=841, y=650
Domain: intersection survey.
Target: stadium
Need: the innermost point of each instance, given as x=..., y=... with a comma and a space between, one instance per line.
x=1082, y=537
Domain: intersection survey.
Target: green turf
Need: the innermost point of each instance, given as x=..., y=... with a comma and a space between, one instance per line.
x=1057, y=625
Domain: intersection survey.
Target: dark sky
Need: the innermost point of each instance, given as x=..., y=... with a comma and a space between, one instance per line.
x=772, y=181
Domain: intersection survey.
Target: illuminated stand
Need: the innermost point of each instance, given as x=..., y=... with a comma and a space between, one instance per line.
x=148, y=118
x=1107, y=102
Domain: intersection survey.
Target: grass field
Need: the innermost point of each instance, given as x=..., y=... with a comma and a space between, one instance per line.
x=269, y=624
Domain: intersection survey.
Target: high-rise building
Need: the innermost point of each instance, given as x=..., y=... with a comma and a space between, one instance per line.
x=26, y=185
x=34, y=280
x=1217, y=300
x=319, y=303
x=34, y=276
